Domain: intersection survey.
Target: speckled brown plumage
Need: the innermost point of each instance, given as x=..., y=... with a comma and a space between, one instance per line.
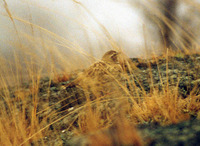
x=105, y=76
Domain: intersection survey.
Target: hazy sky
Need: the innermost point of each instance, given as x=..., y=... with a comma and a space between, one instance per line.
x=71, y=21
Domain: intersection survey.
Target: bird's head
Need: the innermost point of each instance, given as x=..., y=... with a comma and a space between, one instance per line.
x=113, y=57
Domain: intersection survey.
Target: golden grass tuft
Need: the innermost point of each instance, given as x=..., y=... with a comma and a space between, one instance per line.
x=108, y=119
x=121, y=133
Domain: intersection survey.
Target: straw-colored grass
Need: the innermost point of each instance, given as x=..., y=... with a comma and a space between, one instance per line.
x=114, y=104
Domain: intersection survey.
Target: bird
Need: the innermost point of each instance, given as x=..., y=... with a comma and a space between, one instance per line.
x=105, y=76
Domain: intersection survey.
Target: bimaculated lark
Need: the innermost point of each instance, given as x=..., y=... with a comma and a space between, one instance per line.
x=104, y=77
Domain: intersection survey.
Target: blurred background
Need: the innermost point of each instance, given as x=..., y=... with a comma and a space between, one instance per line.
x=73, y=22
x=72, y=34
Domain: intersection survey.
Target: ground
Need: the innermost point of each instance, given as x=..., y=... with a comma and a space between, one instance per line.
x=181, y=71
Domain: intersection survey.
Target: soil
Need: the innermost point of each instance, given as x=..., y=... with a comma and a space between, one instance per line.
x=180, y=70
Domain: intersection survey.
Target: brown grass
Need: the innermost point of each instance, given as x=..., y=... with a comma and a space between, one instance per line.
x=104, y=120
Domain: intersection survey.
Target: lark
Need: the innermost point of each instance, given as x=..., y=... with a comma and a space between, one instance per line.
x=105, y=76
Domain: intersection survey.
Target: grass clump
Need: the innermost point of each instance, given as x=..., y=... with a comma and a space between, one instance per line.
x=47, y=98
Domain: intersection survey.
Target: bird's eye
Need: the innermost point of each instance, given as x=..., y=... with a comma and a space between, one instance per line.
x=114, y=57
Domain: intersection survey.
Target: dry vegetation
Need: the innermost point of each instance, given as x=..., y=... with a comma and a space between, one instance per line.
x=112, y=105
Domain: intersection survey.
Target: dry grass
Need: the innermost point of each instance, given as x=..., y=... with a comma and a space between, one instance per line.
x=20, y=124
